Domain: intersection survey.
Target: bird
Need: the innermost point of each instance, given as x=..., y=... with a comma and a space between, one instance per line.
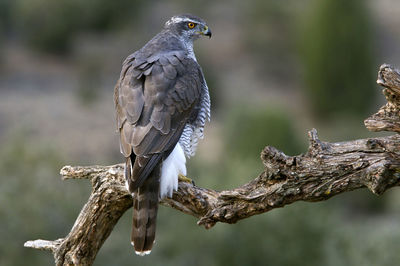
x=162, y=103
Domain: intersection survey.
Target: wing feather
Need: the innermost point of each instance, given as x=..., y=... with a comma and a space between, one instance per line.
x=154, y=98
x=170, y=71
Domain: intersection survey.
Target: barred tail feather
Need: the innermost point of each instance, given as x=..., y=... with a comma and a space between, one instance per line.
x=145, y=206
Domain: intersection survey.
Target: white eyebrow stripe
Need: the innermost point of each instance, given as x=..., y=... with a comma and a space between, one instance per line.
x=180, y=19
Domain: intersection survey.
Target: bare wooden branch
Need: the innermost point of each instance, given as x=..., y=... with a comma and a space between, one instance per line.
x=387, y=118
x=106, y=204
x=44, y=244
x=325, y=170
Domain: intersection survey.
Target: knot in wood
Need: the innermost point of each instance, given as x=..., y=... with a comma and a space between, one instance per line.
x=373, y=144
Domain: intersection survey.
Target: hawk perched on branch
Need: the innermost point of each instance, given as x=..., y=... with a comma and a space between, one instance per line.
x=162, y=103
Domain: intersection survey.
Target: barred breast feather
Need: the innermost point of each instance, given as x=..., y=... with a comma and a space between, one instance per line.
x=193, y=130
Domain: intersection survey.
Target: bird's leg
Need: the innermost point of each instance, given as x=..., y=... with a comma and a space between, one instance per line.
x=183, y=178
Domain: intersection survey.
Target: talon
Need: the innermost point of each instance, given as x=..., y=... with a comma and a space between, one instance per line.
x=183, y=178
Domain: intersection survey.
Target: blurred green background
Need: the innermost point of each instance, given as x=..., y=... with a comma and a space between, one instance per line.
x=275, y=70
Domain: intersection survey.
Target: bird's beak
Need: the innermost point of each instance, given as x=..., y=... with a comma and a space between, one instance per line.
x=206, y=31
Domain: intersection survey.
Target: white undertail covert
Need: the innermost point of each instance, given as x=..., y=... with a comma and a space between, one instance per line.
x=174, y=165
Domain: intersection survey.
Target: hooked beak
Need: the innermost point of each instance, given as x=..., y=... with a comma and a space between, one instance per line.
x=206, y=31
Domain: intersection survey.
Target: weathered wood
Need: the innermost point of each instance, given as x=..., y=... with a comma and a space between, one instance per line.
x=388, y=116
x=325, y=170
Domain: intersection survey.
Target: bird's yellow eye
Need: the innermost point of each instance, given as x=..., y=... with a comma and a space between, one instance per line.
x=191, y=25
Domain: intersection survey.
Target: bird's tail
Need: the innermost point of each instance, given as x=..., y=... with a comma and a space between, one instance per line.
x=145, y=206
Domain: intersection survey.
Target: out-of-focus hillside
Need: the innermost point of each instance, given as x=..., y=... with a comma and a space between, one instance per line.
x=275, y=70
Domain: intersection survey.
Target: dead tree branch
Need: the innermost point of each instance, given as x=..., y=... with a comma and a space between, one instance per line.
x=325, y=170
x=388, y=116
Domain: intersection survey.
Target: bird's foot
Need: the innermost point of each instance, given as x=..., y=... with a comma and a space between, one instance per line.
x=183, y=178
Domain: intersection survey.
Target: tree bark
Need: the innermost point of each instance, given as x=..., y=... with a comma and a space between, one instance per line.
x=325, y=170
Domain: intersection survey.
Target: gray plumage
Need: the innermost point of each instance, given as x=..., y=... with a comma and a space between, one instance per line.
x=161, y=99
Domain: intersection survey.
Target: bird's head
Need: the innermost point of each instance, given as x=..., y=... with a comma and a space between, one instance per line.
x=188, y=27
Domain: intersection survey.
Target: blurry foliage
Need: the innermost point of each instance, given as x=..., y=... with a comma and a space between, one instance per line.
x=5, y=17
x=34, y=201
x=104, y=14
x=1, y=49
x=269, y=38
x=89, y=81
x=50, y=25
x=6, y=10
x=213, y=84
x=363, y=243
x=362, y=204
x=337, y=54
x=250, y=129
